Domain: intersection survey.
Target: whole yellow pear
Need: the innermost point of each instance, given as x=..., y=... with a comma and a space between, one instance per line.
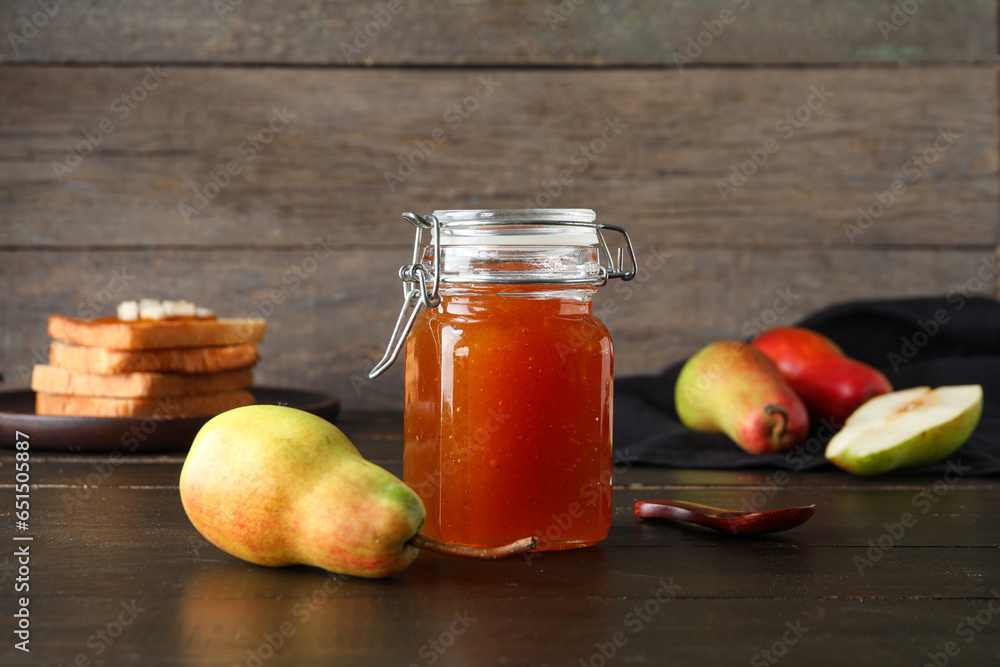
x=276, y=486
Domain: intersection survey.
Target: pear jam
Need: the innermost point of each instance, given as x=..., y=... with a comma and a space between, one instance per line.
x=508, y=383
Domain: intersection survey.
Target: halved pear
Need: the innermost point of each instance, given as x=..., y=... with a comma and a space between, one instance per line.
x=911, y=427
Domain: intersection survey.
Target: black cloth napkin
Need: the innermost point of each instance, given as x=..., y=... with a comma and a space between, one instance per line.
x=932, y=341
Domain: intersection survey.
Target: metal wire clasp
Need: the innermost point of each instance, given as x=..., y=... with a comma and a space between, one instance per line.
x=416, y=293
x=617, y=268
x=421, y=290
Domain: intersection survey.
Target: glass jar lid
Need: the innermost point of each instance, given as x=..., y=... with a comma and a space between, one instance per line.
x=456, y=217
x=504, y=230
x=518, y=227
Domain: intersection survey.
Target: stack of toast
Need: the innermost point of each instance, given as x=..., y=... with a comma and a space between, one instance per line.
x=172, y=360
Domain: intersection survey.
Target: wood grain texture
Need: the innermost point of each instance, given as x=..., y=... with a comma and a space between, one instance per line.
x=124, y=552
x=958, y=515
x=845, y=521
x=212, y=626
x=383, y=444
x=487, y=104
x=405, y=32
x=819, y=157
x=327, y=328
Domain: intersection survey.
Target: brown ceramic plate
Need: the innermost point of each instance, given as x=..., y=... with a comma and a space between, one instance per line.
x=130, y=434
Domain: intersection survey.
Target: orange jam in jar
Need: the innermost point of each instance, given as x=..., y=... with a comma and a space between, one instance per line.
x=508, y=378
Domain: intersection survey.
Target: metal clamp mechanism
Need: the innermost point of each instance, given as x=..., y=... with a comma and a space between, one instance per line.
x=417, y=293
x=415, y=290
x=616, y=266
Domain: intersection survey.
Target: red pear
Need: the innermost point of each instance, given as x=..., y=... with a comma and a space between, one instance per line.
x=831, y=384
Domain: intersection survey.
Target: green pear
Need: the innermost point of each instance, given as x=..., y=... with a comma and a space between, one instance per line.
x=731, y=387
x=911, y=427
x=278, y=486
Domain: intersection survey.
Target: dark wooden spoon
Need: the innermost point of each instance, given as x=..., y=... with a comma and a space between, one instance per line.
x=727, y=521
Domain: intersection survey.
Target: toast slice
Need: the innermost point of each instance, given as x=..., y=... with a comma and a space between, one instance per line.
x=157, y=408
x=55, y=380
x=174, y=332
x=179, y=360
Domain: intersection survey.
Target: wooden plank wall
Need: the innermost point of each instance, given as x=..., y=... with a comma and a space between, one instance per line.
x=118, y=121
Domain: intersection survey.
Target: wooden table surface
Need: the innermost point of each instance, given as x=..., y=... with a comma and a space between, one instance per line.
x=898, y=570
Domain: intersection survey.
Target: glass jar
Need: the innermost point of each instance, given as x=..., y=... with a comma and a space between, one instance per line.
x=508, y=376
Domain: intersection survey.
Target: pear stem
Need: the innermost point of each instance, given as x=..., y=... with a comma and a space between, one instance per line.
x=422, y=542
x=778, y=409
